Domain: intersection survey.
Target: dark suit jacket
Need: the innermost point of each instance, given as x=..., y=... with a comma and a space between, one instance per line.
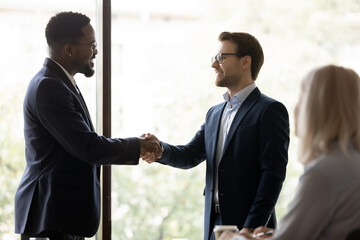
x=60, y=188
x=253, y=164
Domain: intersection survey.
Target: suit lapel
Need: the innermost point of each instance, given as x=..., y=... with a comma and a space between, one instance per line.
x=55, y=68
x=214, y=127
x=244, y=108
x=82, y=101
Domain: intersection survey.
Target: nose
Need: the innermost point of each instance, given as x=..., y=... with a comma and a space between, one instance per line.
x=215, y=64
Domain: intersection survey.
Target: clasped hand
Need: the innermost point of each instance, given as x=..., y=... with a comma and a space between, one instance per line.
x=150, y=147
x=259, y=233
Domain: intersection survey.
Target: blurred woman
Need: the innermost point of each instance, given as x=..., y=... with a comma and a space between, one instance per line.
x=327, y=121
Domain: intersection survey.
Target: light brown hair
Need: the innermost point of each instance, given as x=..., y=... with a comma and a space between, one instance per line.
x=330, y=111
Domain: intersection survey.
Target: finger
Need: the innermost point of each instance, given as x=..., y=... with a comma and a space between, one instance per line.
x=144, y=155
x=148, y=136
x=151, y=136
x=150, y=161
x=261, y=229
x=149, y=157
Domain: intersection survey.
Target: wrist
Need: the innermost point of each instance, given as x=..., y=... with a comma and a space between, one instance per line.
x=247, y=230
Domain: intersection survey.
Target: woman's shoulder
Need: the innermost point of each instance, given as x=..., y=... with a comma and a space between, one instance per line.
x=336, y=166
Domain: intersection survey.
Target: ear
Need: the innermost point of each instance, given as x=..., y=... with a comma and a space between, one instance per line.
x=69, y=50
x=246, y=62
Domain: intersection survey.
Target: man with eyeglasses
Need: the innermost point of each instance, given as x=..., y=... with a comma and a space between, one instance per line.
x=244, y=141
x=59, y=194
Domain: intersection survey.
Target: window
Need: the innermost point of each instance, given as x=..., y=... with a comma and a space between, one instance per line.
x=162, y=83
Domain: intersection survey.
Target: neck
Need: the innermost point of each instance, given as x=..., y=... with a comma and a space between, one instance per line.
x=239, y=87
x=65, y=64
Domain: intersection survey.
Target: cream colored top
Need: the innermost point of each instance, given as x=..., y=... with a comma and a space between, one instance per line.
x=327, y=203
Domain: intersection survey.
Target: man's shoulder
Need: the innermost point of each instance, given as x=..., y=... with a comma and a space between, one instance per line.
x=48, y=70
x=266, y=101
x=45, y=76
x=216, y=108
x=266, y=98
x=215, y=111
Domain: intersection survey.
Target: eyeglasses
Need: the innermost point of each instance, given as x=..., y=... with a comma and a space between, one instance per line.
x=92, y=45
x=219, y=57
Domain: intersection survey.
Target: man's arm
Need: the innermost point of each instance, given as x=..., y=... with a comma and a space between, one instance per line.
x=181, y=156
x=273, y=152
x=61, y=115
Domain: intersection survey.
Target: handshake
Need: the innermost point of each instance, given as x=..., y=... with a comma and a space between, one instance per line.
x=150, y=148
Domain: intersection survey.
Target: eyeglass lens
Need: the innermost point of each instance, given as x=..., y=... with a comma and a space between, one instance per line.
x=218, y=58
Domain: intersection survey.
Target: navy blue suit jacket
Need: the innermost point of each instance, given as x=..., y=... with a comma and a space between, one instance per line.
x=60, y=188
x=253, y=164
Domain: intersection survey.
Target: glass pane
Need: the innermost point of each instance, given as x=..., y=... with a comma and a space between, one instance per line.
x=163, y=83
x=24, y=49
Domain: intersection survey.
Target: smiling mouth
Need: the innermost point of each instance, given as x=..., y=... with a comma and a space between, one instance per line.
x=92, y=62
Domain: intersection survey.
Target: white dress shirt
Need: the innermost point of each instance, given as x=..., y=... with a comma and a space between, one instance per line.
x=232, y=106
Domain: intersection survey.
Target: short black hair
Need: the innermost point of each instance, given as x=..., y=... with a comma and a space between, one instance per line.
x=65, y=27
x=247, y=45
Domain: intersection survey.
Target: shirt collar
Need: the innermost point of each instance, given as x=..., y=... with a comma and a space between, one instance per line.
x=240, y=96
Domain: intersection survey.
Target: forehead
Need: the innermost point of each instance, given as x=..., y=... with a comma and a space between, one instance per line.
x=88, y=33
x=227, y=46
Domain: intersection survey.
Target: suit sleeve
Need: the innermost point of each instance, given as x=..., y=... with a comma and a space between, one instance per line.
x=185, y=156
x=273, y=157
x=61, y=114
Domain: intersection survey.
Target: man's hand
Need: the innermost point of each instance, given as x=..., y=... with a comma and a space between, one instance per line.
x=246, y=231
x=230, y=235
x=150, y=148
x=263, y=232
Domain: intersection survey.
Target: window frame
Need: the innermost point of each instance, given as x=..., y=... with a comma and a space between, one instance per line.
x=103, y=107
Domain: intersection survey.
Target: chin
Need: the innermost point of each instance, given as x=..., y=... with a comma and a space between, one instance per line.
x=219, y=83
x=89, y=73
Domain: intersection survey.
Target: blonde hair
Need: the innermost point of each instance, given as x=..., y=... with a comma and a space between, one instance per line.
x=330, y=112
